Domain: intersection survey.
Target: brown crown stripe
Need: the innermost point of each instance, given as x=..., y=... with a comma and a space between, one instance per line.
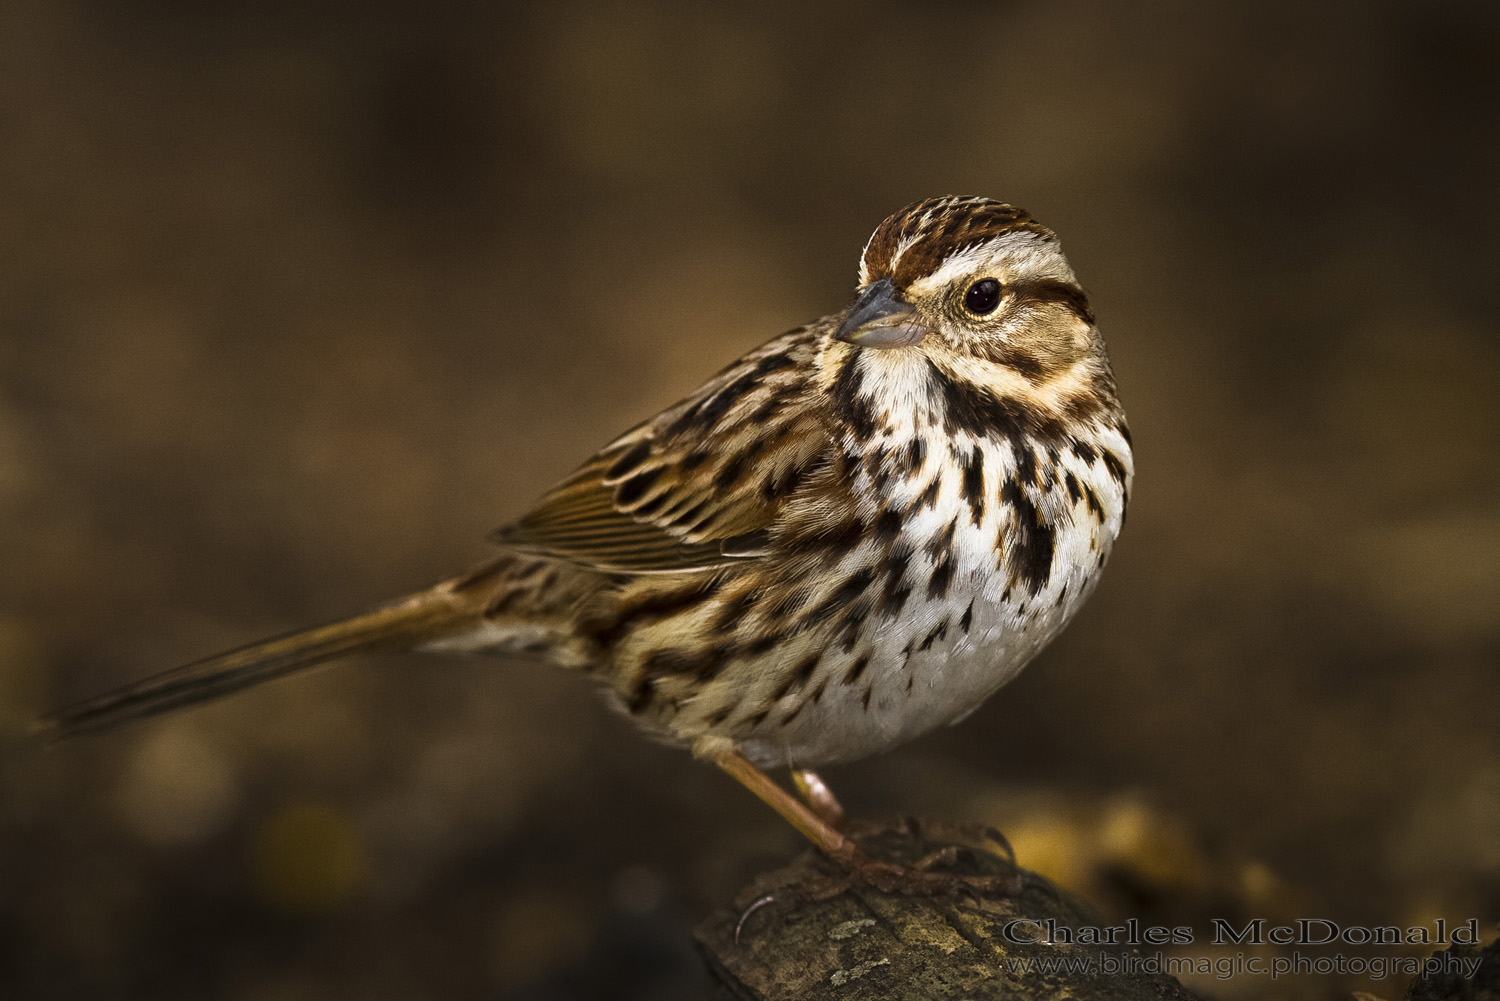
x=936, y=229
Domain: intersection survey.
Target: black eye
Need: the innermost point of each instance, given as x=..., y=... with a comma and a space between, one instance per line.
x=983, y=296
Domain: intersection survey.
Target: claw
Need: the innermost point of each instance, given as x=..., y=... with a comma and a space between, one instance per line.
x=972, y=892
x=1003, y=842
x=757, y=904
x=946, y=870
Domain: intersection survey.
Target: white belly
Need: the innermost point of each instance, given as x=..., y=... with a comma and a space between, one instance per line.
x=940, y=658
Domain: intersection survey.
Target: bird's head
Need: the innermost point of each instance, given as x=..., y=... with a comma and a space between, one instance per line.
x=976, y=290
x=970, y=276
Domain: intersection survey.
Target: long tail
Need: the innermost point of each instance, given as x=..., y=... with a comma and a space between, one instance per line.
x=422, y=616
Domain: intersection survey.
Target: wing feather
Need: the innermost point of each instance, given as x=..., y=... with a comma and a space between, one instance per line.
x=698, y=486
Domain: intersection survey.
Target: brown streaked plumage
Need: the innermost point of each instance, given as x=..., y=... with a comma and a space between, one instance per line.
x=852, y=534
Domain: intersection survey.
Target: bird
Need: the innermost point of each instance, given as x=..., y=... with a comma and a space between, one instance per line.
x=851, y=535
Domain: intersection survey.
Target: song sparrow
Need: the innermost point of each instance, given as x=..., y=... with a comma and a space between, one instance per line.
x=849, y=536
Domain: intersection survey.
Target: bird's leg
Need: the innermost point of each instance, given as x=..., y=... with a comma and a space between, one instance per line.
x=886, y=876
x=815, y=792
x=813, y=826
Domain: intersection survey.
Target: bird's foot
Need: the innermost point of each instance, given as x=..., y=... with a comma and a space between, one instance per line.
x=923, y=866
x=970, y=834
x=936, y=874
x=951, y=868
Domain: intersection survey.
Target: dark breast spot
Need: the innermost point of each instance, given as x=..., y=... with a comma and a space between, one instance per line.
x=848, y=402
x=804, y=671
x=1025, y=457
x=942, y=577
x=1092, y=500
x=928, y=497
x=916, y=454
x=896, y=588
x=942, y=543
x=502, y=602
x=940, y=631
x=1115, y=466
x=842, y=597
x=972, y=488
x=792, y=682
x=1031, y=548
x=703, y=664
x=850, y=624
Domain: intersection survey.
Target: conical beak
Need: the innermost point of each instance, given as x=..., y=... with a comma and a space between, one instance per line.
x=880, y=318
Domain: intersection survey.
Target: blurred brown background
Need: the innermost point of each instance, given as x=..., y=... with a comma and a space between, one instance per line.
x=299, y=300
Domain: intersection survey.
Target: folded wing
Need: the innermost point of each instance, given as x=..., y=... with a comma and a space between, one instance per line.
x=699, y=486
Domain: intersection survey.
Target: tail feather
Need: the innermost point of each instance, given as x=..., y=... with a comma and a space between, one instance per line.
x=422, y=617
